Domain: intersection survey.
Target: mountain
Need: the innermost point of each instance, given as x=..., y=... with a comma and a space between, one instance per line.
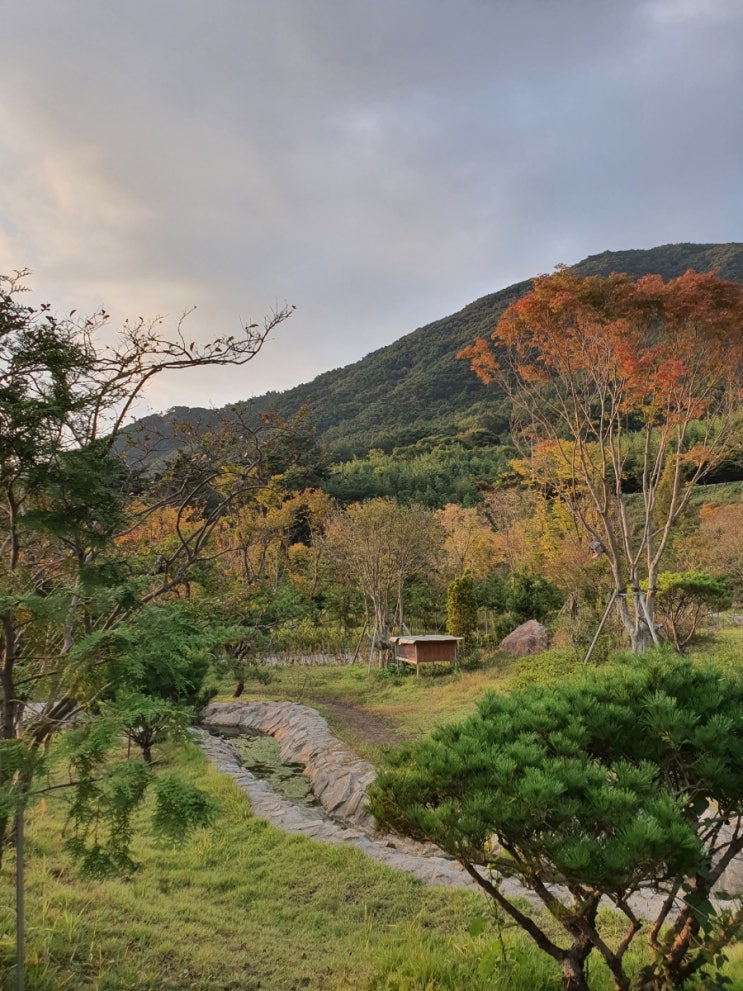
x=416, y=388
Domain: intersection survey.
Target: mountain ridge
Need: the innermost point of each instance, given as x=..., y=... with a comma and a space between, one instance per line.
x=415, y=387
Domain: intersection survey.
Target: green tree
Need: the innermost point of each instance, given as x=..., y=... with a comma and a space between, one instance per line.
x=158, y=680
x=70, y=580
x=461, y=606
x=530, y=597
x=620, y=781
x=684, y=598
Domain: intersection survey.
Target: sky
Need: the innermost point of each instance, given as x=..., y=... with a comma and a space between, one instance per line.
x=379, y=164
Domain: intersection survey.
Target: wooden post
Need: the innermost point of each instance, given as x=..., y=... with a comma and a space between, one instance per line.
x=371, y=651
x=600, y=626
x=358, y=645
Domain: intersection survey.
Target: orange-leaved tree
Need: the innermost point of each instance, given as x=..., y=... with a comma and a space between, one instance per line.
x=635, y=386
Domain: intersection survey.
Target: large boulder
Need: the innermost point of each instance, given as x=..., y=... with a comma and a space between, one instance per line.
x=529, y=638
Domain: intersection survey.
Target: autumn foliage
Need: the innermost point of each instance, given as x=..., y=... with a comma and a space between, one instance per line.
x=660, y=351
x=616, y=377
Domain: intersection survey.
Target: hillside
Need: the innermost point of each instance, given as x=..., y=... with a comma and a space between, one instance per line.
x=416, y=388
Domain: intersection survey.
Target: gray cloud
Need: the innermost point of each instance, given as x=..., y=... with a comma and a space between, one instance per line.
x=377, y=164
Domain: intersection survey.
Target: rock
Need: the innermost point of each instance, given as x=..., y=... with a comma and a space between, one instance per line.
x=333, y=790
x=529, y=638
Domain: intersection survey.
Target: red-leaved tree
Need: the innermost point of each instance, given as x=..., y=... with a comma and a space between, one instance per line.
x=634, y=389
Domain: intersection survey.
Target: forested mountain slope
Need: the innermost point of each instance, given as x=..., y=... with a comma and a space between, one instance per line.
x=416, y=388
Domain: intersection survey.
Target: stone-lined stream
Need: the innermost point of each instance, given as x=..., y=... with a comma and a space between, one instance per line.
x=261, y=755
x=339, y=780
x=338, y=777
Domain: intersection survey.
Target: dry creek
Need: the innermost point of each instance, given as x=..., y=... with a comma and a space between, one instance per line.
x=338, y=778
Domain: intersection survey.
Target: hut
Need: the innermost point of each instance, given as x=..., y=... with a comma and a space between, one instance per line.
x=427, y=649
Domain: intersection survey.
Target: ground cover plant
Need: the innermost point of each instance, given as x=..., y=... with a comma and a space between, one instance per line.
x=370, y=710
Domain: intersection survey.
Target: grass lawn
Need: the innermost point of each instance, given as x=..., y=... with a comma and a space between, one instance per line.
x=240, y=906
x=371, y=709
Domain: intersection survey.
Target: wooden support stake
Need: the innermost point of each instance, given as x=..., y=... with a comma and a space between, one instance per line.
x=600, y=626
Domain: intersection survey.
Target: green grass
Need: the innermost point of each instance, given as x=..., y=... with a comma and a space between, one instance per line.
x=243, y=906
x=406, y=706
x=400, y=707
x=239, y=906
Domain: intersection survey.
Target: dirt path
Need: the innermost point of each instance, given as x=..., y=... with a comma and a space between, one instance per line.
x=364, y=726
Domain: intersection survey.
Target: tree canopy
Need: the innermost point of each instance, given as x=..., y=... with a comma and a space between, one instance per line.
x=618, y=386
x=622, y=780
x=378, y=546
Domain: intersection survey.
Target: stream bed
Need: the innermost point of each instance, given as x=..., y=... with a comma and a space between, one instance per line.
x=260, y=754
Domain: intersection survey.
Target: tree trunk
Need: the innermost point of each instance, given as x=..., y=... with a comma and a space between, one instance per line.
x=571, y=965
x=12, y=708
x=634, y=621
x=640, y=638
x=630, y=624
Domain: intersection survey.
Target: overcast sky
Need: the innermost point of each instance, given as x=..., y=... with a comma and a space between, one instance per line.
x=377, y=163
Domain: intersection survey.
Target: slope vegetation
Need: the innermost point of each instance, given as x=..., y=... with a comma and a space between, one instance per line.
x=416, y=389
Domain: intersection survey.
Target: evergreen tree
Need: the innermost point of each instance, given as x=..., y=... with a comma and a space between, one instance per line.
x=461, y=607
x=600, y=787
